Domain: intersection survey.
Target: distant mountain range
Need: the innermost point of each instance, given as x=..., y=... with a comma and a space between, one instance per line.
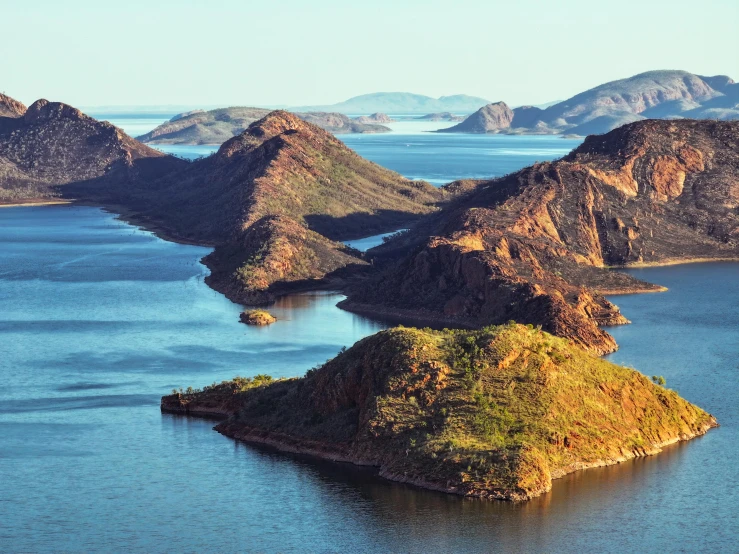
x=651, y=95
x=400, y=103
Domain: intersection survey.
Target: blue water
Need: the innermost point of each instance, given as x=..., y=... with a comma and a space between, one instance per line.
x=99, y=319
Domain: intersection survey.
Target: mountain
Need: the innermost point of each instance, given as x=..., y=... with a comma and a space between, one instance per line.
x=651, y=95
x=497, y=413
x=400, y=103
x=535, y=246
x=10, y=107
x=217, y=126
x=53, y=144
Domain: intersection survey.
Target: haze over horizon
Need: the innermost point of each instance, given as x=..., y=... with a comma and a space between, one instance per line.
x=247, y=53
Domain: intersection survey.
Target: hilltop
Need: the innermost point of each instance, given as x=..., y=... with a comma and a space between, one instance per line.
x=217, y=126
x=535, y=246
x=401, y=103
x=650, y=95
x=496, y=413
x=52, y=145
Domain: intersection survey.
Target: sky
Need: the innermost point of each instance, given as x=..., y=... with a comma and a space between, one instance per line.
x=289, y=52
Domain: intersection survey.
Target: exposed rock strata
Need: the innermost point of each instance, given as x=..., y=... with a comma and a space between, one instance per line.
x=532, y=246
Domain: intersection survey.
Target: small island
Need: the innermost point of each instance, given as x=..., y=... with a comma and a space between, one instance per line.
x=496, y=413
x=257, y=317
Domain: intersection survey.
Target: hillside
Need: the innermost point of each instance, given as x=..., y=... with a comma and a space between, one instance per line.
x=533, y=246
x=496, y=413
x=53, y=145
x=217, y=126
x=650, y=95
x=276, y=197
x=400, y=103
x=273, y=201
x=10, y=107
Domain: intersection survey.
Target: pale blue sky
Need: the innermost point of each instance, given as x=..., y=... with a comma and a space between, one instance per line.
x=231, y=52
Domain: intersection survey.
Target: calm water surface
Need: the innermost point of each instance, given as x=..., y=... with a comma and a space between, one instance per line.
x=99, y=319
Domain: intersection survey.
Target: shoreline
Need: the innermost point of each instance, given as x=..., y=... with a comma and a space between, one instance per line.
x=29, y=203
x=326, y=452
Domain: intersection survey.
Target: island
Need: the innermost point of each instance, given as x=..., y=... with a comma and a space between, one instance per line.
x=257, y=317
x=441, y=116
x=496, y=413
x=217, y=126
x=650, y=95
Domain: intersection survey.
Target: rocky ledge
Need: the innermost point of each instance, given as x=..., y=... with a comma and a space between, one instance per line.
x=495, y=413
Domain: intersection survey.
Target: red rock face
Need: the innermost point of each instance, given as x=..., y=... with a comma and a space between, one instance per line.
x=532, y=246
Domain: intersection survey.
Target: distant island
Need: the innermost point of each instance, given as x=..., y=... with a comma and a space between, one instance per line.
x=497, y=413
x=378, y=117
x=441, y=116
x=400, y=103
x=217, y=126
x=651, y=95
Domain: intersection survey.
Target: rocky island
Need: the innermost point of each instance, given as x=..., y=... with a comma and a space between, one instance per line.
x=650, y=95
x=496, y=413
x=441, y=116
x=217, y=126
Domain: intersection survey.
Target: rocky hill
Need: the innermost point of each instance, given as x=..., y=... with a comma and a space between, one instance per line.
x=53, y=144
x=217, y=126
x=10, y=107
x=401, y=103
x=496, y=413
x=650, y=95
x=533, y=246
x=492, y=118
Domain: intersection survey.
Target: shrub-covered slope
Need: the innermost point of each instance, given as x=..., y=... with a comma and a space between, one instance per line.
x=494, y=413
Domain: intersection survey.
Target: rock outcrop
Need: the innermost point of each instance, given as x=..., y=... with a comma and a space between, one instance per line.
x=497, y=413
x=533, y=246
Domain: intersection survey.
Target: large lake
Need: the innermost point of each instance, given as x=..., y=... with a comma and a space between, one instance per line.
x=99, y=319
